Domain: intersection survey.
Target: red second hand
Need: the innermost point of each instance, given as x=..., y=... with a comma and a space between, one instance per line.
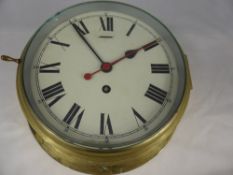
x=88, y=76
x=107, y=67
x=128, y=54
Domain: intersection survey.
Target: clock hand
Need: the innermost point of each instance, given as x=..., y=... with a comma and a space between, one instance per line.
x=107, y=67
x=77, y=29
x=132, y=53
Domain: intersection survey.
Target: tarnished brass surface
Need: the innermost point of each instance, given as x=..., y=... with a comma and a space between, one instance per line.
x=100, y=162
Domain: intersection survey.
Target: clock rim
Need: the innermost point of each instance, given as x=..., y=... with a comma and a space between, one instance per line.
x=163, y=123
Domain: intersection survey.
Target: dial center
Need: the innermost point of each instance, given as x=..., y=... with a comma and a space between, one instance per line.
x=106, y=67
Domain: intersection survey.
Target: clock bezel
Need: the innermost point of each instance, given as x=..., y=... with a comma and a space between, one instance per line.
x=40, y=34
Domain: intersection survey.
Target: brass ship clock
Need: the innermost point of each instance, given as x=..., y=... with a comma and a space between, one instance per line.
x=103, y=86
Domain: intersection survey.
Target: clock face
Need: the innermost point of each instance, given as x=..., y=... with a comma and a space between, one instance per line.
x=104, y=75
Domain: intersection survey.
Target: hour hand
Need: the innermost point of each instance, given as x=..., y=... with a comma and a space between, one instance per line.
x=81, y=34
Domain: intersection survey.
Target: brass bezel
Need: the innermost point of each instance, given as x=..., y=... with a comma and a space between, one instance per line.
x=93, y=161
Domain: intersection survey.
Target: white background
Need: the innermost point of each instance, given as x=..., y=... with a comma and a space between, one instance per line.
x=202, y=143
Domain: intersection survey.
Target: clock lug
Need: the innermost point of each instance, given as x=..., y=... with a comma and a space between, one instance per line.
x=10, y=59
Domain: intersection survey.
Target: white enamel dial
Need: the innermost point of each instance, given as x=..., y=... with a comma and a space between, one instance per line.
x=103, y=79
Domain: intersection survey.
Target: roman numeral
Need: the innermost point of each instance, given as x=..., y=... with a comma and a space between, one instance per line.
x=107, y=24
x=105, y=125
x=138, y=117
x=160, y=68
x=72, y=113
x=131, y=29
x=156, y=94
x=54, y=92
x=50, y=68
x=82, y=29
x=59, y=43
x=151, y=45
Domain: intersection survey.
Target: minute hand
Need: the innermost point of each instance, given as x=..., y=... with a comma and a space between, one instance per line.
x=77, y=29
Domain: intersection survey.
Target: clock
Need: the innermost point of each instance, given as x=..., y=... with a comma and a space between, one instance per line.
x=103, y=86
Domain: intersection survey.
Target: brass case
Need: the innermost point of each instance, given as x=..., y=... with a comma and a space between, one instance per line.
x=99, y=162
